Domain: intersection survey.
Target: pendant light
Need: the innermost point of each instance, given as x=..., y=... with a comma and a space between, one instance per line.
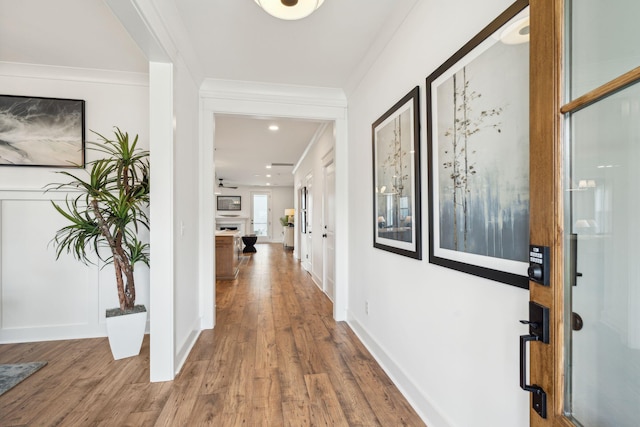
x=290, y=9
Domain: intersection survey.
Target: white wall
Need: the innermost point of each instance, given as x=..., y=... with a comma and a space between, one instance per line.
x=311, y=164
x=281, y=199
x=448, y=339
x=44, y=299
x=186, y=209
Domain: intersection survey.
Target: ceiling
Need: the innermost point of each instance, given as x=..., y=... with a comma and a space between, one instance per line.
x=67, y=33
x=245, y=147
x=237, y=40
x=232, y=39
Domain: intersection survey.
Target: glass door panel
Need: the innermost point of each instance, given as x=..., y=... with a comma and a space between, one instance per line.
x=603, y=277
x=604, y=42
x=260, y=223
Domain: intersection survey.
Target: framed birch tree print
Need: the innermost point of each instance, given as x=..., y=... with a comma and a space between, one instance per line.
x=396, y=178
x=478, y=147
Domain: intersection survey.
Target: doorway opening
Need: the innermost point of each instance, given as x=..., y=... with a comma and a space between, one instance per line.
x=263, y=101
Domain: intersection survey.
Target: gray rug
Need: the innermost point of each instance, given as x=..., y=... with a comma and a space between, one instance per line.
x=10, y=375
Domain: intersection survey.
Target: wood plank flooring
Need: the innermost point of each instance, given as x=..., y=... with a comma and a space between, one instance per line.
x=275, y=358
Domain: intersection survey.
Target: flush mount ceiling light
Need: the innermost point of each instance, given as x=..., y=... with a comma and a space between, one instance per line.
x=289, y=9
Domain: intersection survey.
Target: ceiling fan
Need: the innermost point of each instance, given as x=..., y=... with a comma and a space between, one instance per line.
x=221, y=185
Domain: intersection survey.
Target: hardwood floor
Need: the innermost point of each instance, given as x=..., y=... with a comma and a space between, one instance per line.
x=275, y=358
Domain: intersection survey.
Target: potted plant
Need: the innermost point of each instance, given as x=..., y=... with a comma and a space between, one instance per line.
x=108, y=212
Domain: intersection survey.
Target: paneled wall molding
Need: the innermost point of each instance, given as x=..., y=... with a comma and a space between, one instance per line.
x=43, y=298
x=33, y=194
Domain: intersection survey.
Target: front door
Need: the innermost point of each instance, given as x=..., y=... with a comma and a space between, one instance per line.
x=585, y=172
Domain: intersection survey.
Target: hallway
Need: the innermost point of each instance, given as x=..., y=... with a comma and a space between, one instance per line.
x=275, y=357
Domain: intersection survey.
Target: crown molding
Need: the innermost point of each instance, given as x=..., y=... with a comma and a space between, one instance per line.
x=273, y=92
x=54, y=72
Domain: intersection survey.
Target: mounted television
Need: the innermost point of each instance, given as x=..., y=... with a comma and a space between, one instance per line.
x=229, y=203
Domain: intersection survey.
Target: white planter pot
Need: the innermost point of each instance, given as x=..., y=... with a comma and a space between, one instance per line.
x=126, y=333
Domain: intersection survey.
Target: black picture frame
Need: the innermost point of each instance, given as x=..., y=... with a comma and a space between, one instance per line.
x=397, y=214
x=42, y=132
x=229, y=203
x=478, y=153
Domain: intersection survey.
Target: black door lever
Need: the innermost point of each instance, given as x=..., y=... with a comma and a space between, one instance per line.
x=534, y=325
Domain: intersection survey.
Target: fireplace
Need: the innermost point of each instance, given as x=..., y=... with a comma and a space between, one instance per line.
x=237, y=223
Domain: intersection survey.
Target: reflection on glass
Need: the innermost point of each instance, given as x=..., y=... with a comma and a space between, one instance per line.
x=604, y=195
x=394, y=179
x=605, y=42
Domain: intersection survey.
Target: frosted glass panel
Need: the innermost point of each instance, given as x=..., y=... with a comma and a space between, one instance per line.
x=604, y=194
x=605, y=42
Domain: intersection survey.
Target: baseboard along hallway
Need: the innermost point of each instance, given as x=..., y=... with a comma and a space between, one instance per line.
x=275, y=358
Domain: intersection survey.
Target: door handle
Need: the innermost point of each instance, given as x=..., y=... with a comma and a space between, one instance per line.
x=524, y=339
x=538, y=331
x=324, y=235
x=573, y=260
x=576, y=322
x=539, y=396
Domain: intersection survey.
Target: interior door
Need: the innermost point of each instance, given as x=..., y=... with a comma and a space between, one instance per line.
x=585, y=152
x=328, y=232
x=307, y=254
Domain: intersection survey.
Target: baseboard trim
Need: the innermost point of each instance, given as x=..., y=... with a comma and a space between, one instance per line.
x=183, y=353
x=420, y=402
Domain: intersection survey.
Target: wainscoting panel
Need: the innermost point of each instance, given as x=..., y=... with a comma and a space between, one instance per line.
x=41, y=297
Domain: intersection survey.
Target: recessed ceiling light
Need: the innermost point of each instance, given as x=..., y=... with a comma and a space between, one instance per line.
x=274, y=127
x=268, y=175
x=268, y=183
x=268, y=166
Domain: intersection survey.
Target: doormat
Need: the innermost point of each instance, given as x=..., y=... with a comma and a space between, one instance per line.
x=10, y=375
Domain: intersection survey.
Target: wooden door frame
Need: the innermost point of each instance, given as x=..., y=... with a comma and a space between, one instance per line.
x=546, y=191
x=546, y=198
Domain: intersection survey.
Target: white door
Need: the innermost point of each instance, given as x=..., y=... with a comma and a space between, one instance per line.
x=261, y=215
x=307, y=258
x=328, y=232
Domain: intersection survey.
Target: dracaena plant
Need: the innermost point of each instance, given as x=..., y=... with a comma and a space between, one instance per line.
x=109, y=211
